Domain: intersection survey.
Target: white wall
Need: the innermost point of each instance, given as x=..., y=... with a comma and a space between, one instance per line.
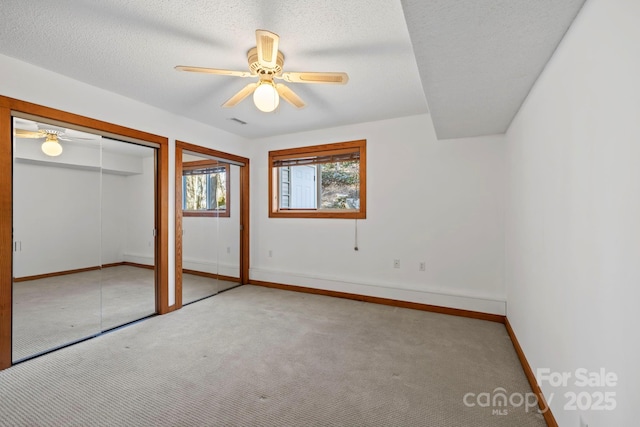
x=56, y=219
x=140, y=209
x=427, y=200
x=71, y=215
x=113, y=217
x=33, y=84
x=573, y=212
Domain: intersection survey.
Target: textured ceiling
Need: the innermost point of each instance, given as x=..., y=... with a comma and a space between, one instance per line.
x=131, y=46
x=476, y=59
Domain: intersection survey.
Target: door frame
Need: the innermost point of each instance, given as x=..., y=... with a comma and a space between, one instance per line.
x=244, y=211
x=7, y=107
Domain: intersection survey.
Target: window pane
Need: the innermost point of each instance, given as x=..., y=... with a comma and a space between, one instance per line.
x=219, y=191
x=303, y=187
x=205, y=192
x=340, y=185
x=285, y=187
x=212, y=191
x=195, y=192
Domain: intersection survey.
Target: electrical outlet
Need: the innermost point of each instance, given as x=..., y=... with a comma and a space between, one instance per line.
x=396, y=263
x=228, y=249
x=270, y=253
x=423, y=266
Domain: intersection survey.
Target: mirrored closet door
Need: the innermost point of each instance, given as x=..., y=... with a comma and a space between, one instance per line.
x=127, y=220
x=84, y=250
x=210, y=215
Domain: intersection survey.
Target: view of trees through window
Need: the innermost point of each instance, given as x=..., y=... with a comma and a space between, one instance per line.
x=205, y=191
x=340, y=185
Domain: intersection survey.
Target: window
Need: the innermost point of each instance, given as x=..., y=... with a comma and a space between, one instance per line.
x=322, y=181
x=205, y=189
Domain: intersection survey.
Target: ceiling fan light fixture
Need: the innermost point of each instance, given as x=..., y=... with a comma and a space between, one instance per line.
x=266, y=62
x=266, y=97
x=51, y=146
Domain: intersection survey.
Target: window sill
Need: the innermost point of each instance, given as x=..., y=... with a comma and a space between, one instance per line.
x=325, y=213
x=223, y=214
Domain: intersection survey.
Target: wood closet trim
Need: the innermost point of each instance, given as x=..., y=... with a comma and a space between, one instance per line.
x=244, y=211
x=6, y=234
x=7, y=105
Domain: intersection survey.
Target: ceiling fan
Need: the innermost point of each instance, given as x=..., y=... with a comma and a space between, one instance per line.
x=266, y=62
x=52, y=135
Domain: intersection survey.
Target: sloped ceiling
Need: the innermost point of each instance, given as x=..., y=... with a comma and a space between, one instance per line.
x=478, y=59
x=472, y=61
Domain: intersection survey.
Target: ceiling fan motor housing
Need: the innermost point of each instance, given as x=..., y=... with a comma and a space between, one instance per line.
x=258, y=69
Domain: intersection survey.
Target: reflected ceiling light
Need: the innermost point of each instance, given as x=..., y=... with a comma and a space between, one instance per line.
x=51, y=146
x=266, y=97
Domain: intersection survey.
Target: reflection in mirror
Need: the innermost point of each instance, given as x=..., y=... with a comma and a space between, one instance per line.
x=211, y=224
x=83, y=223
x=56, y=221
x=128, y=256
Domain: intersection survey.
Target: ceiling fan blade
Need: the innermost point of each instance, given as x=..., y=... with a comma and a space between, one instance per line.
x=325, y=78
x=217, y=71
x=76, y=134
x=289, y=95
x=78, y=139
x=267, y=45
x=25, y=124
x=21, y=133
x=242, y=94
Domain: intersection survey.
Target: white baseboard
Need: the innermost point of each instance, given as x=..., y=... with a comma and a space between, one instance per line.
x=483, y=303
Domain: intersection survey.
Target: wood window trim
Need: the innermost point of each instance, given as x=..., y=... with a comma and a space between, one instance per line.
x=9, y=105
x=318, y=150
x=198, y=164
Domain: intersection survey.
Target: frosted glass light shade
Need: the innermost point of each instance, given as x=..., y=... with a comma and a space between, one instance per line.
x=266, y=97
x=51, y=148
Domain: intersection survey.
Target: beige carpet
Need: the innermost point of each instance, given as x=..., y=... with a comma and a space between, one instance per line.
x=195, y=288
x=262, y=357
x=55, y=311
